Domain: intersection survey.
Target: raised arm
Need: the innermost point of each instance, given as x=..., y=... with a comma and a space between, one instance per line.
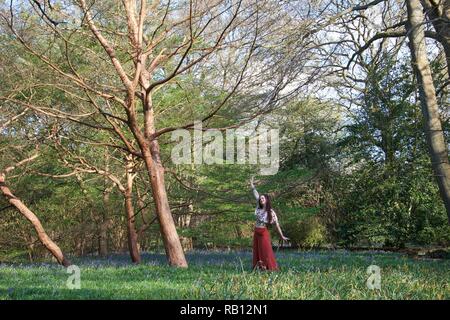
x=255, y=192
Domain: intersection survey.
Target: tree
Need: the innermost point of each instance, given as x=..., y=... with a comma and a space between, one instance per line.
x=80, y=164
x=151, y=58
x=433, y=128
x=387, y=195
x=16, y=202
x=142, y=52
x=438, y=13
x=394, y=20
x=31, y=216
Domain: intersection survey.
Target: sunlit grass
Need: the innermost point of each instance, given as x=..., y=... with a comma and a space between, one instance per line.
x=227, y=275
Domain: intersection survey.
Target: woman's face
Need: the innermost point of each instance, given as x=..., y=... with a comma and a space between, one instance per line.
x=262, y=200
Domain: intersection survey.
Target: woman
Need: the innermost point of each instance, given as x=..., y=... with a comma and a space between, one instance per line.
x=263, y=257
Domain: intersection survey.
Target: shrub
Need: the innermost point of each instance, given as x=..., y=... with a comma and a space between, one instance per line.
x=307, y=233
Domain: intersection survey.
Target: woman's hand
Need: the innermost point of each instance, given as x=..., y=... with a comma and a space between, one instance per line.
x=283, y=238
x=252, y=179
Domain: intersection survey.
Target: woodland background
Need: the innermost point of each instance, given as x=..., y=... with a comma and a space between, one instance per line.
x=86, y=123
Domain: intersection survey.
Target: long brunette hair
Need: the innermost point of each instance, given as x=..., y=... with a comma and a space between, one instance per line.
x=268, y=206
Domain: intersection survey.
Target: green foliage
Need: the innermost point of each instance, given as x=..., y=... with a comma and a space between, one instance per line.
x=308, y=233
x=388, y=196
x=388, y=207
x=439, y=235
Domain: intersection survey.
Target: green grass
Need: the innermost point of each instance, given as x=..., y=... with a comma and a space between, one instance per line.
x=227, y=275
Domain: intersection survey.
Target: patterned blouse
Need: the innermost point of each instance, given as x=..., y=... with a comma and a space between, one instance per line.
x=261, y=215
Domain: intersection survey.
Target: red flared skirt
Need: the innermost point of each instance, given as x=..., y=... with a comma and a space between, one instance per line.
x=263, y=256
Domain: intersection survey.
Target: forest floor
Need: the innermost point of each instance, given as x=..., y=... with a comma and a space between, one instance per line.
x=227, y=275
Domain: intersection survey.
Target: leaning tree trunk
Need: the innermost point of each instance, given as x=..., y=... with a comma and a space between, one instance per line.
x=433, y=128
x=131, y=220
x=42, y=235
x=171, y=240
x=152, y=159
x=151, y=155
x=148, y=146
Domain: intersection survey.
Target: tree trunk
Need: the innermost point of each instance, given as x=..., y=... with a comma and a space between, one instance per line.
x=152, y=158
x=131, y=221
x=30, y=246
x=104, y=225
x=433, y=127
x=42, y=235
x=171, y=240
x=239, y=233
x=103, y=239
x=131, y=228
x=105, y=221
